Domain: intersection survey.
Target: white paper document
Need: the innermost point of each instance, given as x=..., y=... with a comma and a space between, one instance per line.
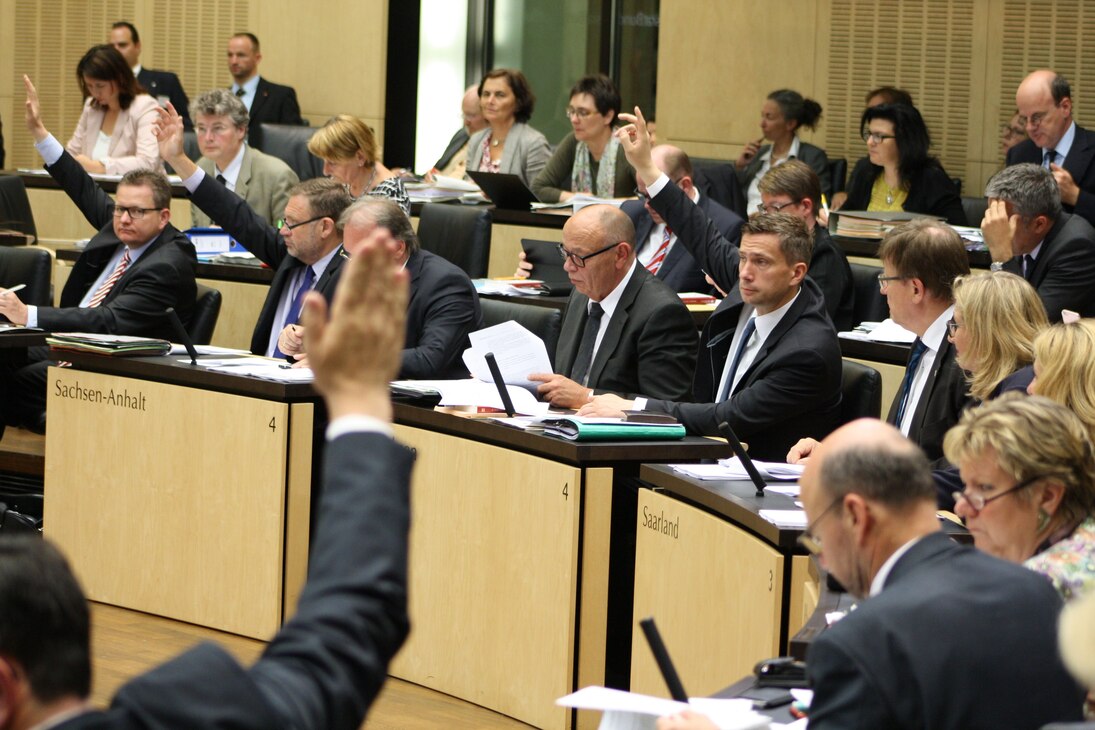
x=264, y=368
x=177, y=349
x=631, y=711
x=472, y=392
x=519, y=354
x=790, y=518
x=733, y=469
x=885, y=331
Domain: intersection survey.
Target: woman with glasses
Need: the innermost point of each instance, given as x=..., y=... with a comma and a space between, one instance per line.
x=350, y=155
x=1029, y=474
x=114, y=133
x=898, y=173
x=508, y=144
x=784, y=113
x=589, y=160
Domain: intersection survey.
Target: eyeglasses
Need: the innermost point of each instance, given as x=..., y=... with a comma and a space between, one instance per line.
x=876, y=137
x=883, y=280
x=807, y=539
x=1035, y=119
x=952, y=326
x=134, y=212
x=579, y=260
x=282, y=223
x=216, y=130
x=978, y=501
x=775, y=207
x=580, y=113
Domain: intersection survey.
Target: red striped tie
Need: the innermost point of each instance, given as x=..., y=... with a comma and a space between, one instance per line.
x=111, y=280
x=659, y=255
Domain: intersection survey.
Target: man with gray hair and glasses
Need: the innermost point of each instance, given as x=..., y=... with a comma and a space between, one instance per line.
x=1028, y=234
x=220, y=122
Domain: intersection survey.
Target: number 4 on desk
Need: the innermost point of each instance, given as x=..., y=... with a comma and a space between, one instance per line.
x=566, y=491
x=273, y=424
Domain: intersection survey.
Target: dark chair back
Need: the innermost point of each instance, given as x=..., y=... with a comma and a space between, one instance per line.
x=974, y=209
x=28, y=265
x=207, y=308
x=870, y=305
x=15, y=212
x=544, y=322
x=458, y=233
x=838, y=174
x=860, y=391
x=717, y=180
x=288, y=142
x=190, y=147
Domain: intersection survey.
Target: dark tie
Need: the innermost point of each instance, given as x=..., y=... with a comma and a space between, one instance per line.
x=221, y=180
x=1051, y=157
x=918, y=349
x=293, y=314
x=1028, y=266
x=240, y=92
x=746, y=335
x=580, y=372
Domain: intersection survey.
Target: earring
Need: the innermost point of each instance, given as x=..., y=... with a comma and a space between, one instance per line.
x=1043, y=519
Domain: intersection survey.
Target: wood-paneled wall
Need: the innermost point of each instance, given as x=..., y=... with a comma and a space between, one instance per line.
x=334, y=53
x=960, y=59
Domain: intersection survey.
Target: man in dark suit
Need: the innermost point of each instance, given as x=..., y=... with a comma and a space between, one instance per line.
x=454, y=160
x=163, y=86
x=769, y=361
x=920, y=261
x=1028, y=234
x=327, y=664
x=945, y=636
x=134, y=268
x=266, y=102
x=1056, y=142
x=624, y=331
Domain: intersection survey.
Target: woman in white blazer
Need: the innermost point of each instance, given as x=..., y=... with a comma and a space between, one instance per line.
x=508, y=144
x=114, y=134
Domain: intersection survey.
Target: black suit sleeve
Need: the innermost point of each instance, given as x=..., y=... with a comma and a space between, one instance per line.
x=233, y=214
x=667, y=347
x=844, y=695
x=699, y=234
x=1068, y=281
x=93, y=202
x=440, y=335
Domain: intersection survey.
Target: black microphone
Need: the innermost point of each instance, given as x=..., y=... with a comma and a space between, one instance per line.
x=503, y=391
x=739, y=451
x=181, y=333
x=665, y=664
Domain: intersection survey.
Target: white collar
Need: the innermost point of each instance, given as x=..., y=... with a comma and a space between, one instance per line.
x=883, y=573
x=765, y=323
x=232, y=172
x=937, y=330
x=792, y=153
x=608, y=304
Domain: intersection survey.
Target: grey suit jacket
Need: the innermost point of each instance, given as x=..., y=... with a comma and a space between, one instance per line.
x=264, y=182
x=649, y=345
x=813, y=156
x=525, y=154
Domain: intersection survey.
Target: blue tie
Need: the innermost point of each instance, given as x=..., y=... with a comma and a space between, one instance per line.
x=293, y=315
x=918, y=349
x=1051, y=157
x=746, y=335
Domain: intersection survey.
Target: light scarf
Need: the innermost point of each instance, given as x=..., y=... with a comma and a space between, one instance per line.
x=581, y=176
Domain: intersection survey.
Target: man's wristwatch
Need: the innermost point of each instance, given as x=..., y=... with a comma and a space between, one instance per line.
x=996, y=266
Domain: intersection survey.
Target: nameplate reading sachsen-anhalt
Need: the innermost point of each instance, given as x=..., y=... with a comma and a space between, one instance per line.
x=122, y=398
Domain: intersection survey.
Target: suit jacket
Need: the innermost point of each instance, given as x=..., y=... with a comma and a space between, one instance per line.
x=525, y=154
x=162, y=277
x=679, y=271
x=326, y=665
x=166, y=85
x=132, y=145
x=234, y=215
x=555, y=178
x=1064, y=272
x=442, y=310
x=812, y=155
x=274, y=104
x=830, y=270
x=942, y=401
x=930, y=192
x=649, y=345
x=264, y=182
x=457, y=143
x=1078, y=163
x=956, y=639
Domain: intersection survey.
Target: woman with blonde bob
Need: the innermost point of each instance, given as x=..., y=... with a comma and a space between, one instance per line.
x=1029, y=474
x=350, y=155
x=996, y=318
x=1064, y=368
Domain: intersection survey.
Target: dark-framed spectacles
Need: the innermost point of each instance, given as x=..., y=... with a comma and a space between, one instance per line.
x=952, y=326
x=579, y=260
x=876, y=137
x=282, y=223
x=883, y=280
x=577, y=112
x=807, y=539
x=775, y=207
x=134, y=212
x=978, y=501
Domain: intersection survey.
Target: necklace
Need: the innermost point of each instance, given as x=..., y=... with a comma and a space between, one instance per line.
x=368, y=183
x=494, y=142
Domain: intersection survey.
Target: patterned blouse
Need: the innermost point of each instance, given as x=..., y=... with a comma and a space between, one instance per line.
x=1070, y=562
x=393, y=189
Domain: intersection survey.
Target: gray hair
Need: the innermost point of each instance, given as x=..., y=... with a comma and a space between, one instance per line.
x=1030, y=188
x=220, y=102
x=897, y=475
x=385, y=214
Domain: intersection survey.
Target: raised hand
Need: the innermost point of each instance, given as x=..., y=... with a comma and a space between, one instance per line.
x=635, y=139
x=33, y=112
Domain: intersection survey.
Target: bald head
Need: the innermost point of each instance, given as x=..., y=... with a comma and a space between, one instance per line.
x=1044, y=100
x=673, y=161
x=469, y=107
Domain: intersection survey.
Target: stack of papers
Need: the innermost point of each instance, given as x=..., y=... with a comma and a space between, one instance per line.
x=473, y=392
x=632, y=711
x=260, y=367
x=114, y=345
x=733, y=469
x=509, y=287
x=869, y=224
x=519, y=353
x=885, y=331
x=790, y=518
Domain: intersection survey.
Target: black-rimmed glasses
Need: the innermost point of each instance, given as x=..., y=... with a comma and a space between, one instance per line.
x=134, y=212
x=579, y=260
x=952, y=326
x=807, y=539
x=774, y=207
x=883, y=280
x=282, y=223
x=978, y=501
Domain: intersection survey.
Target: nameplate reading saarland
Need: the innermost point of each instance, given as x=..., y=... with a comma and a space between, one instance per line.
x=659, y=523
x=120, y=398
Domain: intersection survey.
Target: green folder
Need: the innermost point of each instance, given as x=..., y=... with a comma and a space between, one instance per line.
x=575, y=430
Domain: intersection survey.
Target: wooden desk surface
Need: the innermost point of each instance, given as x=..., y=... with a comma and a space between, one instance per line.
x=890, y=353
x=868, y=248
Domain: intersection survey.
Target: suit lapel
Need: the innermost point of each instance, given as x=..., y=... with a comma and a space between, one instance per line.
x=616, y=323
x=244, y=176
x=773, y=339
x=257, y=103
x=120, y=125
x=1080, y=155
x=1041, y=264
x=943, y=358
x=576, y=314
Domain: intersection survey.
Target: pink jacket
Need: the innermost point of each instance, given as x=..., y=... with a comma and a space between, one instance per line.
x=132, y=145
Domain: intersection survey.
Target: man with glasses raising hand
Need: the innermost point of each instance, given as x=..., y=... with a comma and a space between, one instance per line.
x=134, y=268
